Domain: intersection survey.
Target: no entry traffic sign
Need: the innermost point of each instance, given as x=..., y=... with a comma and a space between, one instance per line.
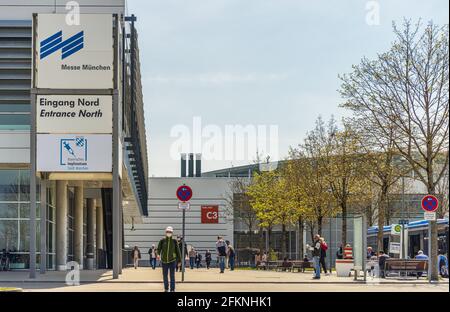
x=184, y=193
x=430, y=203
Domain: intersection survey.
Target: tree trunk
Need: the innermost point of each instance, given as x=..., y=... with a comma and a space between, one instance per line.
x=319, y=225
x=261, y=239
x=344, y=223
x=250, y=236
x=283, y=240
x=381, y=218
x=311, y=231
x=301, y=228
x=269, y=234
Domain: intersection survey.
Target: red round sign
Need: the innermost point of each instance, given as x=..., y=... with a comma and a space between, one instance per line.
x=430, y=203
x=184, y=193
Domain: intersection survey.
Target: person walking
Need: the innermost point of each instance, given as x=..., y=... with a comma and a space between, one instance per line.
x=192, y=256
x=208, y=258
x=169, y=253
x=323, y=255
x=136, y=256
x=221, y=248
x=231, y=257
x=198, y=260
x=152, y=255
x=316, y=249
x=382, y=257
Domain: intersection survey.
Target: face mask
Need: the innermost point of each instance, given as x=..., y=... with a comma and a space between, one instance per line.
x=169, y=234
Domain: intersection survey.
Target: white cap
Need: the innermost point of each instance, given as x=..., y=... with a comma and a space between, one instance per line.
x=169, y=229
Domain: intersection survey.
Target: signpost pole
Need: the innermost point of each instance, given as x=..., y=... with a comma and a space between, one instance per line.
x=184, y=194
x=430, y=204
x=116, y=190
x=33, y=186
x=429, y=272
x=183, y=262
x=43, y=258
x=403, y=242
x=364, y=243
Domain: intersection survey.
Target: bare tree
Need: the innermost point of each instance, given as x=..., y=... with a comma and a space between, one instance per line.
x=345, y=172
x=442, y=188
x=407, y=88
x=383, y=164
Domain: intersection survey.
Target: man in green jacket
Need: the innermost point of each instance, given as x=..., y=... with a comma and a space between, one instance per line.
x=169, y=253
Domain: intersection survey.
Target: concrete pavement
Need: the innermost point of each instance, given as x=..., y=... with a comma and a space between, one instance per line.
x=146, y=279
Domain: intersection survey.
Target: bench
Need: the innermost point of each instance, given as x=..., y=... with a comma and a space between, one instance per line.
x=301, y=265
x=298, y=265
x=274, y=265
x=405, y=267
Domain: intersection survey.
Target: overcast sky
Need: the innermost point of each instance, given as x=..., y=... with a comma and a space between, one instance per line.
x=255, y=62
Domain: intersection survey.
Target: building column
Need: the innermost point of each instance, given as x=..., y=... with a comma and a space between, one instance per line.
x=78, y=226
x=61, y=225
x=98, y=229
x=90, y=235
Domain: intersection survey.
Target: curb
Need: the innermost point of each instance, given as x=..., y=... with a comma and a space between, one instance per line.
x=231, y=282
x=10, y=289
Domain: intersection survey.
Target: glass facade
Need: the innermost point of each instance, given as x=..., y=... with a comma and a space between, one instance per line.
x=15, y=218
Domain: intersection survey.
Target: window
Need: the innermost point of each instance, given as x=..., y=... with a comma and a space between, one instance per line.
x=15, y=218
x=24, y=241
x=25, y=210
x=9, y=183
x=14, y=121
x=8, y=235
x=25, y=186
x=8, y=210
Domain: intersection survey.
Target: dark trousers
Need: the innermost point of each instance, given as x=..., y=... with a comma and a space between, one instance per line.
x=169, y=268
x=191, y=262
x=231, y=262
x=208, y=263
x=153, y=263
x=323, y=264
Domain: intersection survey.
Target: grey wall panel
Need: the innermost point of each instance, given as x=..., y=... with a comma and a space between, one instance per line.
x=163, y=211
x=14, y=139
x=14, y=147
x=23, y=9
x=14, y=156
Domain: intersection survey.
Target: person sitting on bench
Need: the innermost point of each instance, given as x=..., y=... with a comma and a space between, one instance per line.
x=421, y=256
x=305, y=263
x=286, y=265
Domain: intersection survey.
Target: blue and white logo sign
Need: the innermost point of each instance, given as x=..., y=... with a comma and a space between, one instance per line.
x=55, y=43
x=73, y=151
x=74, y=56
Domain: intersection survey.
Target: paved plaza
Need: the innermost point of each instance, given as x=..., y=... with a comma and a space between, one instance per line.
x=148, y=280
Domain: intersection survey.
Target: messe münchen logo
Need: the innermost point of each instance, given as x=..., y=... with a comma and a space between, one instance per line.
x=68, y=46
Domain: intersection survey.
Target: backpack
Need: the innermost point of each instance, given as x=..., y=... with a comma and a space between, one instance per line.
x=324, y=246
